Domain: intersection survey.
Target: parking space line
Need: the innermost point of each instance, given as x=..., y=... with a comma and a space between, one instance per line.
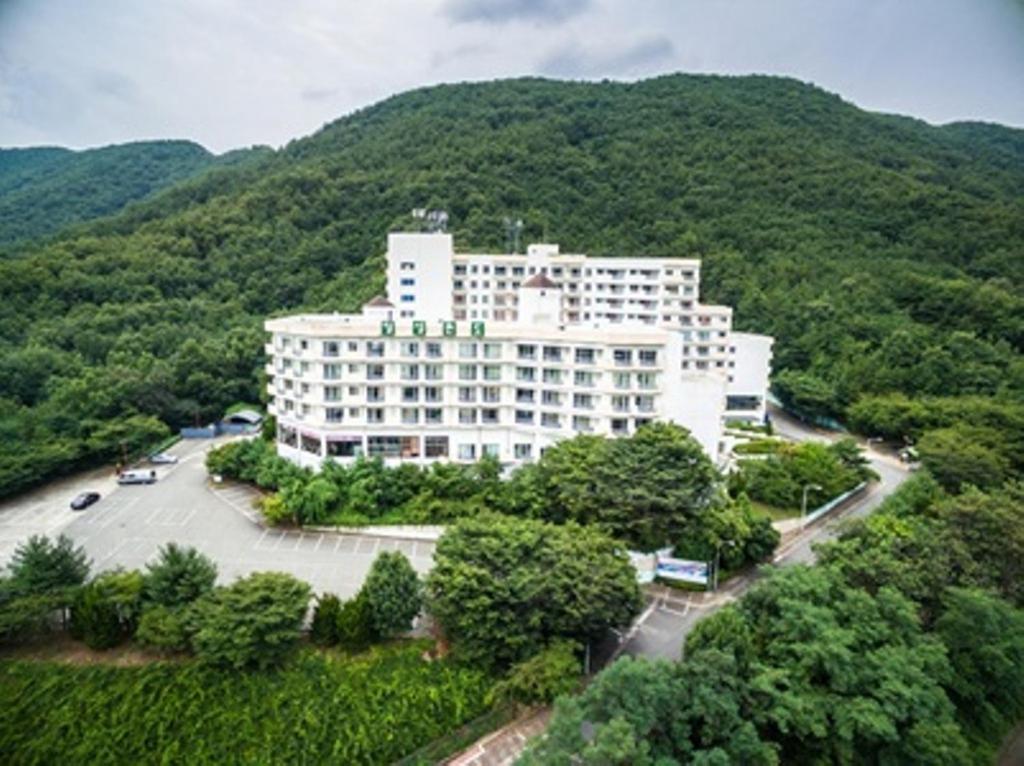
x=319, y=540
x=337, y=543
x=256, y=545
x=302, y=536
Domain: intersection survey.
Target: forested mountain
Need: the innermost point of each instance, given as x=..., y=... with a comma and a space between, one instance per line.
x=44, y=189
x=886, y=255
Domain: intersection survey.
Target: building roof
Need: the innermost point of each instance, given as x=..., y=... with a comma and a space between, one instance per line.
x=539, y=280
x=380, y=301
x=245, y=416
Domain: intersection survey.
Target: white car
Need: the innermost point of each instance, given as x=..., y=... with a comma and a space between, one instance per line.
x=162, y=458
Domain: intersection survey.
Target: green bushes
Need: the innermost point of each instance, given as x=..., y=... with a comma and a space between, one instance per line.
x=540, y=679
x=504, y=588
x=384, y=608
x=369, y=709
x=779, y=480
x=254, y=622
x=393, y=594
x=106, y=611
x=179, y=576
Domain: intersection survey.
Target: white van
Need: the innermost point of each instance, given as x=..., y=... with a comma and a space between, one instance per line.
x=137, y=477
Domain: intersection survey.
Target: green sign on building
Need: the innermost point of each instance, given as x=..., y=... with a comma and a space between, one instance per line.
x=387, y=328
x=419, y=327
x=476, y=329
x=448, y=329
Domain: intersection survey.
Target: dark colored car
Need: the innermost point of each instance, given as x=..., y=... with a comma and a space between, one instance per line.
x=84, y=500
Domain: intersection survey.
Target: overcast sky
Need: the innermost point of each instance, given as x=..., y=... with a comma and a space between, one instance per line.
x=230, y=73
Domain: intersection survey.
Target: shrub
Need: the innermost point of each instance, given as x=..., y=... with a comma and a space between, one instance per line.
x=40, y=566
x=355, y=628
x=393, y=593
x=550, y=673
x=179, y=576
x=254, y=622
x=275, y=511
x=106, y=611
x=324, y=628
x=165, y=629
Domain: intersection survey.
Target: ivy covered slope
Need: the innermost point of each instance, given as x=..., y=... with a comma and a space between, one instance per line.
x=883, y=253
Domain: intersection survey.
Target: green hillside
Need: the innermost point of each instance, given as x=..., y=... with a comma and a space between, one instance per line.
x=886, y=255
x=44, y=189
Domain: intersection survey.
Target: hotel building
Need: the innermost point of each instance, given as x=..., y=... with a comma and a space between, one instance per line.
x=505, y=355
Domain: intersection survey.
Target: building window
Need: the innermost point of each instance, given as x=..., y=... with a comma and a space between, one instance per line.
x=467, y=416
x=332, y=371
x=648, y=357
x=431, y=394
x=332, y=393
x=331, y=348
x=552, y=354
x=492, y=351
x=551, y=398
x=489, y=416
x=434, y=350
x=524, y=396
x=384, y=446
x=491, y=394
x=433, y=416
x=526, y=352
x=620, y=426
x=583, y=401
x=467, y=452
x=621, y=380
x=492, y=372
x=410, y=348
x=432, y=372
x=523, y=451
x=467, y=350
x=581, y=423
x=375, y=372
x=407, y=266
x=645, y=380
x=552, y=376
x=623, y=357
x=410, y=394
x=644, y=403
x=620, y=403
x=335, y=414
x=410, y=416
x=525, y=374
x=310, y=444
x=467, y=372
x=492, y=450
x=374, y=414
x=524, y=417
x=407, y=281
x=375, y=348
x=467, y=394
x=406, y=298
x=581, y=378
x=410, y=372
x=435, y=446
x=550, y=420
x=585, y=356
x=374, y=394
x=344, y=447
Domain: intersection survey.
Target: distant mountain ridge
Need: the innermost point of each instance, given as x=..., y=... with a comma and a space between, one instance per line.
x=43, y=189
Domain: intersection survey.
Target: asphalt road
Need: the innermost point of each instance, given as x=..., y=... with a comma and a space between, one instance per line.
x=662, y=629
x=129, y=524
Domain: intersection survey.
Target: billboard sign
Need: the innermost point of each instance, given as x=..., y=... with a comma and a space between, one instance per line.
x=683, y=570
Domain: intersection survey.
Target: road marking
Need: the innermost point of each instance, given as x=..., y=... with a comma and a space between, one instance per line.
x=302, y=536
x=256, y=545
x=319, y=540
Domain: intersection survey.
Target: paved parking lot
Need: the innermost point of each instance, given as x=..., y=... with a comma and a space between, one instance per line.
x=129, y=524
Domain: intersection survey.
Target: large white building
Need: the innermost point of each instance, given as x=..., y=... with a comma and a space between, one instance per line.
x=504, y=355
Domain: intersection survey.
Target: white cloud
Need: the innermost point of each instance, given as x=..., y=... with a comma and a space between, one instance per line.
x=231, y=73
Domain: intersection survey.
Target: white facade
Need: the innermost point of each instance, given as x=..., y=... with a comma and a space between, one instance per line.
x=505, y=355
x=748, y=383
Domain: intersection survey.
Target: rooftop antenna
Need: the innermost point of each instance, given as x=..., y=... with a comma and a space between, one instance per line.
x=435, y=220
x=512, y=230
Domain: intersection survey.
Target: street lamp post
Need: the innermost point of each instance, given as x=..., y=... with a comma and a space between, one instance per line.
x=803, y=503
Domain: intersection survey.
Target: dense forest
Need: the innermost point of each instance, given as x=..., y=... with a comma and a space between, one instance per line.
x=45, y=189
x=883, y=253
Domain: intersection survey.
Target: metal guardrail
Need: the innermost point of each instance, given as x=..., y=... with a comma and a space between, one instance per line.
x=832, y=504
